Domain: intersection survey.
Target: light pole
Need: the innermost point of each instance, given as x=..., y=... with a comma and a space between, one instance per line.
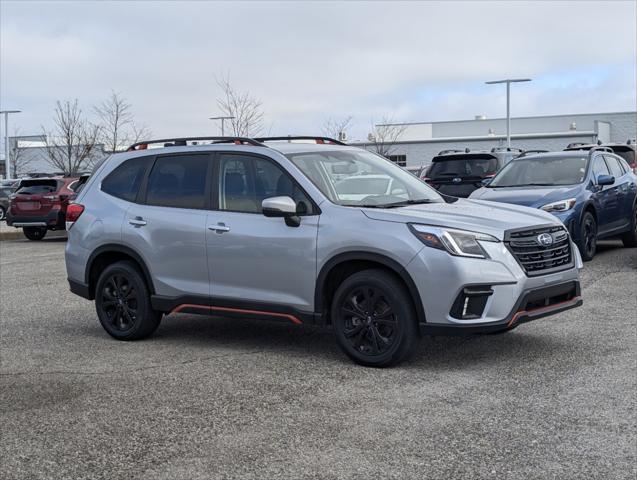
x=509, y=81
x=7, y=163
x=223, y=119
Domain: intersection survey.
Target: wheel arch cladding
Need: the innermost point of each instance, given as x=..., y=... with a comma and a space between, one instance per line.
x=341, y=266
x=108, y=254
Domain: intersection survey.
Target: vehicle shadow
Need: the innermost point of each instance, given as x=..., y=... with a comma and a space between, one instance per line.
x=319, y=344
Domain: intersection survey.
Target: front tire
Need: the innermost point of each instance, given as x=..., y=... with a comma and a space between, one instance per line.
x=587, y=243
x=629, y=239
x=34, y=233
x=374, y=319
x=122, y=301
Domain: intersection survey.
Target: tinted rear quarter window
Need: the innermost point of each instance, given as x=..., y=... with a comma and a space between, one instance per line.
x=178, y=181
x=125, y=180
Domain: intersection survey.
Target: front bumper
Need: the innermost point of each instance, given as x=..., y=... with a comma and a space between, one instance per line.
x=53, y=220
x=516, y=298
x=557, y=298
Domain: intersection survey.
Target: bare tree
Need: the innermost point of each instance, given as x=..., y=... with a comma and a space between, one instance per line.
x=18, y=159
x=337, y=128
x=245, y=109
x=117, y=123
x=139, y=132
x=385, y=135
x=71, y=143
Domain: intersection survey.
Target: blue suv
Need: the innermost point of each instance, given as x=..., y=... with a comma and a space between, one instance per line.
x=594, y=193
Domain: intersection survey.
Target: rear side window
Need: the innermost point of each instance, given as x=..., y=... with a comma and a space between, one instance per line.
x=615, y=169
x=178, y=181
x=125, y=180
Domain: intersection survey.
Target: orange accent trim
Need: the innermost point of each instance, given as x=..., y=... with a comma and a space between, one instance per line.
x=546, y=309
x=288, y=316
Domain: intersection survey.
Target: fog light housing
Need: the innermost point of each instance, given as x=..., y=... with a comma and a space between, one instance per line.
x=470, y=302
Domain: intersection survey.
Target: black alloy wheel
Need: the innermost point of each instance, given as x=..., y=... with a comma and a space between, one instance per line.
x=374, y=318
x=34, y=233
x=122, y=301
x=588, y=237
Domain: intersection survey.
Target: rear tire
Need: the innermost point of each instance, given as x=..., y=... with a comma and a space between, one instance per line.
x=587, y=242
x=630, y=238
x=34, y=233
x=374, y=319
x=122, y=302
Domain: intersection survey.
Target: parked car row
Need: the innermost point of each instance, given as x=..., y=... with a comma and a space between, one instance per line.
x=591, y=188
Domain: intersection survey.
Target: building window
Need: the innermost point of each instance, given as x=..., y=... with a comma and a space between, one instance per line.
x=400, y=160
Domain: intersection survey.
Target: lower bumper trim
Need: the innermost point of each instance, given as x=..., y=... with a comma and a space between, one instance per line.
x=80, y=289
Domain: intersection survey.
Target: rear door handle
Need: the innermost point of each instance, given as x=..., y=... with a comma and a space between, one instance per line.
x=137, y=221
x=219, y=228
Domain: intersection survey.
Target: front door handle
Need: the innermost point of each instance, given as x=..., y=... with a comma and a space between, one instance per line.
x=219, y=228
x=137, y=221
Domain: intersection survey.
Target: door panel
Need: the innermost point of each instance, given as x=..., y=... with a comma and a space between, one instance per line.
x=168, y=225
x=172, y=242
x=261, y=259
x=604, y=196
x=254, y=258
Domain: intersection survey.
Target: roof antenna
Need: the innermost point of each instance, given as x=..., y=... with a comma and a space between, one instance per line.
x=466, y=150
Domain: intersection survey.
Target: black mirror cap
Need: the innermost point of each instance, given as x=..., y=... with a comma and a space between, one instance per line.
x=605, y=180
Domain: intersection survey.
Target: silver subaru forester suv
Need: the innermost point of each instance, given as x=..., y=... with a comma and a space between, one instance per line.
x=310, y=231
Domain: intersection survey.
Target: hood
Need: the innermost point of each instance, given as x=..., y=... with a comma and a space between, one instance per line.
x=478, y=216
x=527, y=196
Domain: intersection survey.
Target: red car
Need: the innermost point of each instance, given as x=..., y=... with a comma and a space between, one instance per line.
x=40, y=205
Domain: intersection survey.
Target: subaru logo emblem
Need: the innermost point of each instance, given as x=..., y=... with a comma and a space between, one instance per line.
x=545, y=239
x=457, y=180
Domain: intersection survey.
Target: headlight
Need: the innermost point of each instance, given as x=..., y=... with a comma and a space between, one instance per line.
x=461, y=243
x=561, y=206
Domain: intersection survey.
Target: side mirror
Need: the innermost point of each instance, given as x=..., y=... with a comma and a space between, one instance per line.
x=282, y=207
x=605, y=180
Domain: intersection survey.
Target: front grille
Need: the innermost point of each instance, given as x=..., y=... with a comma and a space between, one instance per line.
x=537, y=257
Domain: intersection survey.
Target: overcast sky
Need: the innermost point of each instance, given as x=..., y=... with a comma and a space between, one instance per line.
x=307, y=61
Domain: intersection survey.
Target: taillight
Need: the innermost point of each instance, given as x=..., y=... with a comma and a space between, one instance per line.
x=73, y=212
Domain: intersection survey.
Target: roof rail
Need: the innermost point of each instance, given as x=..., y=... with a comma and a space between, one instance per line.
x=599, y=148
x=529, y=152
x=183, y=141
x=451, y=150
x=289, y=138
x=506, y=149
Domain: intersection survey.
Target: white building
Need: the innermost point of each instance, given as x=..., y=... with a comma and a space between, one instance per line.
x=421, y=141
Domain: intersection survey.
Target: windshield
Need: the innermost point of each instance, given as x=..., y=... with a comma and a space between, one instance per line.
x=473, y=167
x=545, y=171
x=361, y=178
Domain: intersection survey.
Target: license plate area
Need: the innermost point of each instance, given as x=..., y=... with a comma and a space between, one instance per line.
x=29, y=206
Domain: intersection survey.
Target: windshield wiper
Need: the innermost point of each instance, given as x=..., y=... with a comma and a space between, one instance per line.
x=409, y=202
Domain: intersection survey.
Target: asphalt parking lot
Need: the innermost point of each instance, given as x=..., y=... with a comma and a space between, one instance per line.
x=219, y=398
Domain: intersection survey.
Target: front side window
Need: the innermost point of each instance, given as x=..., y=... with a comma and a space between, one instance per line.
x=541, y=171
x=599, y=167
x=360, y=178
x=178, y=181
x=245, y=181
x=615, y=169
x=125, y=180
